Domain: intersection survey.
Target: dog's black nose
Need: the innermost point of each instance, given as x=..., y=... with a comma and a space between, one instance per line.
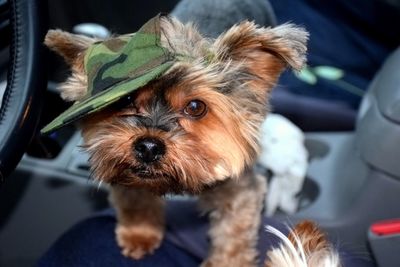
x=149, y=149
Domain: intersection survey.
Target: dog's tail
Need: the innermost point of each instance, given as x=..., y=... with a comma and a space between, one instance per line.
x=306, y=246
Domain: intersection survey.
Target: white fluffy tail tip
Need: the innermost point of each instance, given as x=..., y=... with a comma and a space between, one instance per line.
x=306, y=246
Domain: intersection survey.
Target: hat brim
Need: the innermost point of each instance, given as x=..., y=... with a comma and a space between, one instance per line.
x=104, y=99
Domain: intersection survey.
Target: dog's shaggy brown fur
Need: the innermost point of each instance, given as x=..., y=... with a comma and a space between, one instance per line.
x=211, y=154
x=306, y=246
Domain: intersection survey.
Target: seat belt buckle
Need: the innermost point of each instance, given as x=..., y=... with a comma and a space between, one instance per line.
x=384, y=240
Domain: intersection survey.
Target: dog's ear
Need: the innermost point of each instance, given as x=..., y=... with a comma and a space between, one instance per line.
x=265, y=52
x=72, y=48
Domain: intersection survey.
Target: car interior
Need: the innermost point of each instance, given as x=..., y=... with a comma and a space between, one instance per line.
x=352, y=184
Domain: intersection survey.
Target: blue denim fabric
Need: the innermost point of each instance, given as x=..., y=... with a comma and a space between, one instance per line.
x=92, y=242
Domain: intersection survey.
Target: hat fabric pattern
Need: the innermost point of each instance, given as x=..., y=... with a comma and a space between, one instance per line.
x=115, y=68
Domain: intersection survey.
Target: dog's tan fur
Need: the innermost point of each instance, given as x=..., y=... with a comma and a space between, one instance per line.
x=306, y=246
x=234, y=210
x=211, y=156
x=72, y=48
x=146, y=215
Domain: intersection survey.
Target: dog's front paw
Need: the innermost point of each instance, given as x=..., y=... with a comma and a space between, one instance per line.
x=138, y=241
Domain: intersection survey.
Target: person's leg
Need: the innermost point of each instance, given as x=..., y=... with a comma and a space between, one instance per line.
x=92, y=242
x=214, y=17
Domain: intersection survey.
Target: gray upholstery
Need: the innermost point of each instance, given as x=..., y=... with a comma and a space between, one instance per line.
x=378, y=124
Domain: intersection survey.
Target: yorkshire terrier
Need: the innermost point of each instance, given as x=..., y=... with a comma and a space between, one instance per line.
x=165, y=110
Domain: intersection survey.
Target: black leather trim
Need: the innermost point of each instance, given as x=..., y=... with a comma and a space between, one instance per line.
x=26, y=81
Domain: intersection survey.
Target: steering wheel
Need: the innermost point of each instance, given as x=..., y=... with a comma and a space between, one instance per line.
x=26, y=81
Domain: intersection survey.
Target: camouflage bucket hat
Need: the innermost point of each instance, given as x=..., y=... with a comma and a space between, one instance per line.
x=115, y=68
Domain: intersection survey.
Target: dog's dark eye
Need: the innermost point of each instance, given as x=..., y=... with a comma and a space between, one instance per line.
x=195, y=109
x=124, y=107
x=123, y=103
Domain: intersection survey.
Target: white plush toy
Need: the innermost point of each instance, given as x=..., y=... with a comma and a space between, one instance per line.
x=283, y=152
